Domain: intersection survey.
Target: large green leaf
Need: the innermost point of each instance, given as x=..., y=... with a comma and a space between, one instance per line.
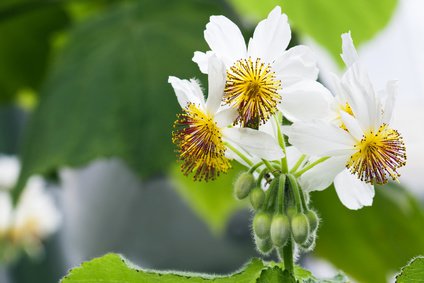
x=26, y=31
x=213, y=201
x=373, y=242
x=108, y=93
x=114, y=268
x=413, y=272
x=325, y=21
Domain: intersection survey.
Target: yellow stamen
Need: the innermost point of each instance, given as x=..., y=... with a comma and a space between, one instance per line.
x=252, y=88
x=378, y=154
x=346, y=108
x=200, y=144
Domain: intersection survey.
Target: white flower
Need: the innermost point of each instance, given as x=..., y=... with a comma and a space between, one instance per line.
x=5, y=212
x=35, y=216
x=361, y=146
x=202, y=133
x=262, y=77
x=9, y=171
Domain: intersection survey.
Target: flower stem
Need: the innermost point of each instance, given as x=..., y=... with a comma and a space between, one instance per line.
x=280, y=136
x=298, y=163
x=310, y=166
x=286, y=254
x=241, y=155
x=296, y=193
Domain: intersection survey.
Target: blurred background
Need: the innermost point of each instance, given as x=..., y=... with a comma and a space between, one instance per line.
x=85, y=102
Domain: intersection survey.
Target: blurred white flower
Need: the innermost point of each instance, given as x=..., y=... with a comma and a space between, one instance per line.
x=9, y=171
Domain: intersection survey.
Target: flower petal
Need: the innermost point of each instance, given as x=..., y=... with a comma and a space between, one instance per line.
x=216, y=84
x=271, y=37
x=391, y=91
x=6, y=209
x=202, y=60
x=226, y=117
x=352, y=125
x=322, y=175
x=255, y=142
x=225, y=39
x=352, y=192
x=305, y=100
x=187, y=91
x=320, y=138
x=349, y=55
x=9, y=172
x=296, y=64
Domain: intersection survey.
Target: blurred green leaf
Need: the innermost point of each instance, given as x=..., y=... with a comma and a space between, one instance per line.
x=213, y=201
x=325, y=21
x=373, y=242
x=114, y=268
x=412, y=272
x=108, y=93
x=26, y=30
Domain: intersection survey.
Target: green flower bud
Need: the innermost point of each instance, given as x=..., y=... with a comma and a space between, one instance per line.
x=310, y=243
x=243, y=185
x=264, y=246
x=313, y=220
x=280, y=230
x=291, y=211
x=262, y=224
x=300, y=228
x=257, y=198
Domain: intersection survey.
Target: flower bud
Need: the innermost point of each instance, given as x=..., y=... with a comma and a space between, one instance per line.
x=291, y=211
x=257, y=198
x=313, y=220
x=300, y=228
x=310, y=243
x=243, y=185
x=264, y=246
x=280, y=230
x=262, y=224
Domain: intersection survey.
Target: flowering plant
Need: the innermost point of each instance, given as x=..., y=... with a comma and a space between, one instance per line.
x=266, y=111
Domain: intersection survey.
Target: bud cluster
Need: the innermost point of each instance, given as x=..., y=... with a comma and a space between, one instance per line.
x=281, y=212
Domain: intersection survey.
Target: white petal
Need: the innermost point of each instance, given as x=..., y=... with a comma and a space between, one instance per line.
x=293, y=155
x=305, y=100
x=349, y=54
x=391, y=91
x=202, y=60
x=9, y=172
x=187, y=91
x=216, y=84
x=320, y=138
x=271, y=37
x=296, y=64
x=226, y=117
x=255, y=142
x=322, y=175
x=352, y=192
x=352, y=125
x=225, y=39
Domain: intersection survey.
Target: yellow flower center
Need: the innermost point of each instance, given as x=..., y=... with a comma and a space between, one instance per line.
x=378, y=154
x=252, y=88
x=200, y=145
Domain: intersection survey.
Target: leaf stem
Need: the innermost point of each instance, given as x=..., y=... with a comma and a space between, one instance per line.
x=310, y=166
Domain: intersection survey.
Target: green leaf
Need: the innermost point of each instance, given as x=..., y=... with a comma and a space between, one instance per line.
x=213, y=201
x=325, y=21
x=108, y=93
x=377, y=239
x=412, y=272
x=114, y=268
x=26, y=31
x=275, y=274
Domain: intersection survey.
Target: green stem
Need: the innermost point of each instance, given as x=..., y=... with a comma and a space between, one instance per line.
x=310, y=166
x=302, y=198
x=286, y=253
x=268, y=165
x=241, y=155
x=255, y=167
x=261, y=176
x=296, y=193
x=298, y=163
x=280, y=137
x=280, y=195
